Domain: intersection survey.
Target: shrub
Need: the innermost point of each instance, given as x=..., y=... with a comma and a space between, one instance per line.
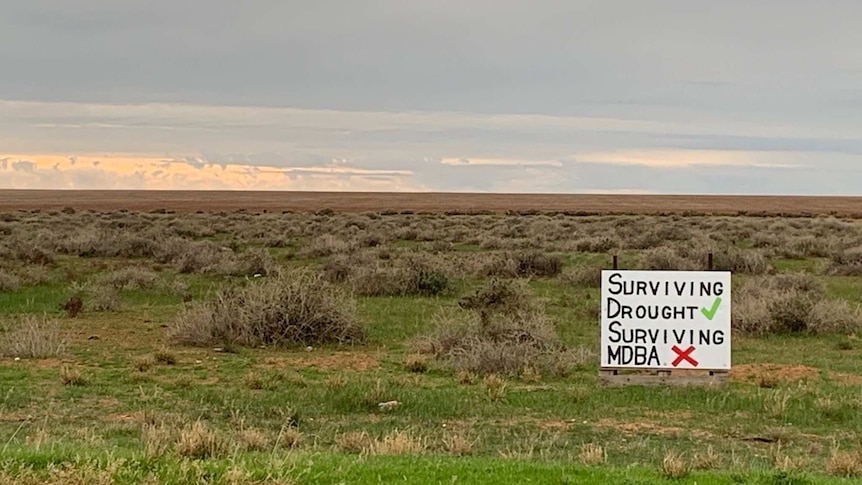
x=845, y=464
x=665, y=258
x=32, y=338
x=585, y=276
x=500, y=330
x=296, y=308
x=354, y=442
x=8, y=282
x=790, y=303
x=524, y=264
x=133, y=278
x=417, y=363
x=413, y=275
x=104, y=299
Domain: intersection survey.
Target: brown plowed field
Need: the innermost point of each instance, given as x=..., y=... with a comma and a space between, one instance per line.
x=105, y=200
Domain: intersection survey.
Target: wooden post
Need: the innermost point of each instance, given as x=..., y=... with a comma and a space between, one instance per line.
x=709, y=264
x=616, y=265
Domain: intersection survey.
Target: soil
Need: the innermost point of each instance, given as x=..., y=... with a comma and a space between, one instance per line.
x=757, y=373
x=338, y=361
x=190, y=201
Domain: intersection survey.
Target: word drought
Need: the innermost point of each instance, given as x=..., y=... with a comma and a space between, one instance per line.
x=665, y=319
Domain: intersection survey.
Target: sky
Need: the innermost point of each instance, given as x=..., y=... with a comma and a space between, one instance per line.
x=545, y=96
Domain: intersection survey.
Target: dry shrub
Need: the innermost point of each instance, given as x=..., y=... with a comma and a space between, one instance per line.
x=199, y=442
x=144, y=363
x=325, y=245
x=73, y=307
x=592, y=454
x=584, y=276
x=844, y=464
x=165, y=357
x=103, y=298
x=673, y=466
x=32, y=338
x=499, y=330
x=523, y=264
x=133, y=278
x=666, y=258
x=410, y=275
x=8, y=282
x=296, y=308
x=740, y=261
x=791, y=303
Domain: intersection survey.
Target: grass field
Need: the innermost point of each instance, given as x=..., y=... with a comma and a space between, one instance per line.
x=382, y=347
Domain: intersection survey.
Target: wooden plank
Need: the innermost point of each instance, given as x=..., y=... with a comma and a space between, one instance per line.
x=662, y=377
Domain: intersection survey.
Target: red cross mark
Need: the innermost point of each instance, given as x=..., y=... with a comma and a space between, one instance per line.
x=683, y=355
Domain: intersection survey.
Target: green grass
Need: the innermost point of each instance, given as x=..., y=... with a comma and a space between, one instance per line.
x=532, y=434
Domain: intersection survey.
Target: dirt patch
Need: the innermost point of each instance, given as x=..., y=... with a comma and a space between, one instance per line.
x=757, y=373
x=339, y=361
x=136, y=417
x=845, y=379
x=646, y=427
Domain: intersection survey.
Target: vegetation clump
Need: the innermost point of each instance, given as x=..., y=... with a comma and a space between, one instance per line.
x=296, y=308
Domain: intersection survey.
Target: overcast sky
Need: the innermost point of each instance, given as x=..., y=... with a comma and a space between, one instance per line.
x=666, y=96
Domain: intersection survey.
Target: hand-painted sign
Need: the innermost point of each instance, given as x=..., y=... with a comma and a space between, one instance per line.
x=665, y=319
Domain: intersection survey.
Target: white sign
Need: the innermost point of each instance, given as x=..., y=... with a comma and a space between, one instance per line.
x=666, y=319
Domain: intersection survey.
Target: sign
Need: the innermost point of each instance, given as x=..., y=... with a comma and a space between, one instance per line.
x=665, y=319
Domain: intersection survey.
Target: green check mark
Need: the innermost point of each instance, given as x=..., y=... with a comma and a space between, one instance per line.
x=710, y=314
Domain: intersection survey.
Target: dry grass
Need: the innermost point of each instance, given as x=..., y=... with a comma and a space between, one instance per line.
x=288, y=437
x=417, y=363
x=199, y=442
x=354, y=442
x=157, y=440
x=252, y=440
x=673, y=466
x=494, y=387
x=397, y=443
x=32, y=338
x=71, y=376
x=458, y=445
x=706, y=460
x=297, y=308
x=844, y=464
x=592, y=454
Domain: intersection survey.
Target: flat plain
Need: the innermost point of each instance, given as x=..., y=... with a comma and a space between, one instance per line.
x=356, y=338
x=187, y=201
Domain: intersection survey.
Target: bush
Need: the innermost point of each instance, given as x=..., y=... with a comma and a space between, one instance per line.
x=412, y=275
x=585, y=276
x=296, y=308
x=500, y=330
x=33, y=338
x=524, y=264
x=665, y=258
x=131, y=278
x=791, y=303
x=9, y=282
